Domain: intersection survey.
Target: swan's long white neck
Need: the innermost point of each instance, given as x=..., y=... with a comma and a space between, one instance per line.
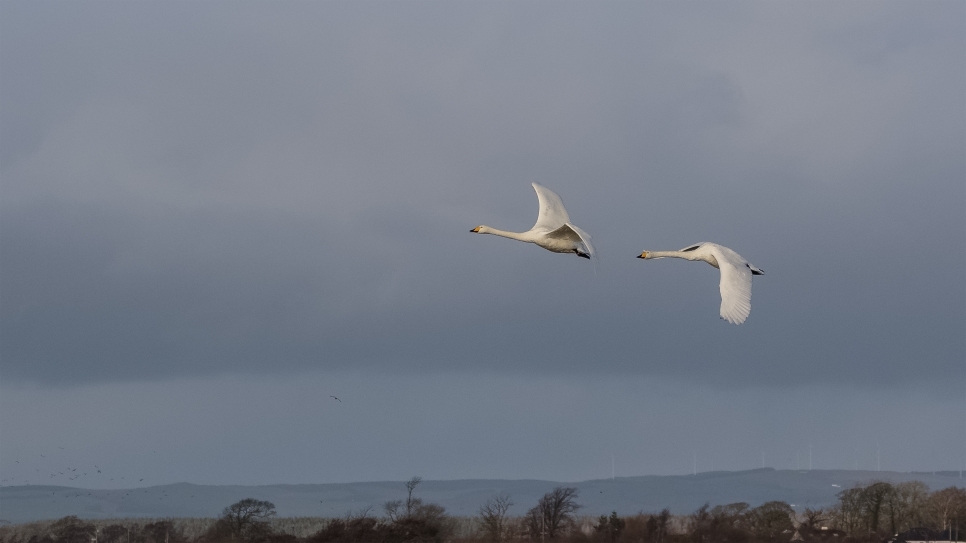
x=687, y=255
x=672, y=254
x=519, y=236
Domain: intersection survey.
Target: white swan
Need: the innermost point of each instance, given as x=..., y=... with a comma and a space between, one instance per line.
x=736, y=275
x=553, y=230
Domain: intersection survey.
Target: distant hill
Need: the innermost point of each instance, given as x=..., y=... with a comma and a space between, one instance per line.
x=626, y=495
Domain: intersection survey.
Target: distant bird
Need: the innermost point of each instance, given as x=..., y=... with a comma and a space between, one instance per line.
x=331, y=396
x=736, y=275
x=553, y=230
x=139, y=480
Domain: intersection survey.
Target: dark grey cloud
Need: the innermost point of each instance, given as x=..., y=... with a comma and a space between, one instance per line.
x=204, y=189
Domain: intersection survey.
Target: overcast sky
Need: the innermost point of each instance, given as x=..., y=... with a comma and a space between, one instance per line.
x=215, y=215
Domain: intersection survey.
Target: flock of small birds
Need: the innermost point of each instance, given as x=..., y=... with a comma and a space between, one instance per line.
x=72, y=473
x=67, y=472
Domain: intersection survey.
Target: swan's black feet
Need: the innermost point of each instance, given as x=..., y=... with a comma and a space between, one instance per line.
x=582, y=255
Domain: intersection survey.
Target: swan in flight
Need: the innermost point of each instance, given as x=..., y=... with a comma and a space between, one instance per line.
x=553, y=230
x=736, y=275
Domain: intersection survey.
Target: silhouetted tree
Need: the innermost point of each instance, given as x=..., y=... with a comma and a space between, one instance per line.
x=873, y=502
x=610, y=528
x=115, y=533
x=410, y=486
x=413, y=520
x=721, y=523
x=658, y=526
x=162, y=531
x=245, y=520
x=849, y=512
x=771, y=520
x=493, y=518
x=72, y=530
x=554, y=513
x=813, y=518
x=905, y=505
x=943, y=506
x=360, y=529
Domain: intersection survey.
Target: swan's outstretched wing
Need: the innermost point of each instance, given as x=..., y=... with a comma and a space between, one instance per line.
x=572, y=233
x=552, y=214
x=735, y=284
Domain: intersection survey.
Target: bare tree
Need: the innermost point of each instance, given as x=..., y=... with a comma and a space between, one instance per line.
x=493, y=519
x=770, y=519
x=554, y=513
x=849, y=511
x=728, y=522
x=905, y=505
x=392, y=510
x=610, y=528
x=658, y=526
x=392, y=507
x=945, y=505
x=72, y=530
x=410, y=486
x=248, y=518
x=812, y=519
x=413, y=520
x=874, y=498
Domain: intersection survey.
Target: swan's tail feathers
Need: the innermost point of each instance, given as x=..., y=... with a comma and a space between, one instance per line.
x=754, y=270
x=584, y=240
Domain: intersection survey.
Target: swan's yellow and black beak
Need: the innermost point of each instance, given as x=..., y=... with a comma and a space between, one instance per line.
x=477, y=229
x=642, y=255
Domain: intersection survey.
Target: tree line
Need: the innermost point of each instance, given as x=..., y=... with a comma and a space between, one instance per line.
x=878, y=512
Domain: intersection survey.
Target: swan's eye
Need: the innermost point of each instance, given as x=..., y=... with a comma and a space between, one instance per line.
x=691, y=248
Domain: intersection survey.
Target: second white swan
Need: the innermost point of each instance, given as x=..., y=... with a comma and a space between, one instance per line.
x=736, y=275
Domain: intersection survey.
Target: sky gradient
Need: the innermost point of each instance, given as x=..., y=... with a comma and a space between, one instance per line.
x=215, y=215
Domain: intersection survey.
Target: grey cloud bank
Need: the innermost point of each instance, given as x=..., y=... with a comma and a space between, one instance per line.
x=458, y=425
x=256, y=187
x=207, y=191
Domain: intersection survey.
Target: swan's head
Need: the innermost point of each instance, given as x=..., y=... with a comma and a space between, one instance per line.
x=478, y=229
x=643, y=254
